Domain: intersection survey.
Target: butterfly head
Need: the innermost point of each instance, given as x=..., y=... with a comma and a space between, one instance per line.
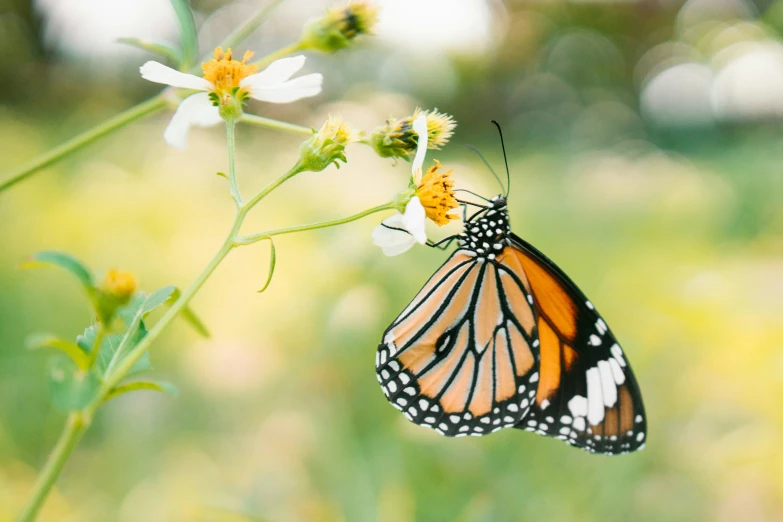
x=486, y=232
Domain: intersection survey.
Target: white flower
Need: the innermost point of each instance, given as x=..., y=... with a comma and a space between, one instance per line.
x=400, y=232
x=225, y=78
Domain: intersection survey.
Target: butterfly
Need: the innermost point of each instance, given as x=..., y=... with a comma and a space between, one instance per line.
x=500, y=337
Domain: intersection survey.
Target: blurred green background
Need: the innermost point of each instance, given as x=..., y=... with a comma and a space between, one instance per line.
x=645, y=147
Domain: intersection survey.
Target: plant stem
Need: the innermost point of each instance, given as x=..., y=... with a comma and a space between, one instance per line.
x=275, y=124
x=232, y=171
x=242, y=32
x=285, y=51
x=96, y=348
x=74, y=429
x=82, y=140
x=248, y=240
x=125, y=365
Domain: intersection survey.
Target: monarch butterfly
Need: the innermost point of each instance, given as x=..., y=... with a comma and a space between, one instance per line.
x=500, y=337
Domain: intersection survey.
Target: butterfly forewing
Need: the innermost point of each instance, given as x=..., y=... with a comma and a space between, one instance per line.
x=461, y=358
x=587, y=393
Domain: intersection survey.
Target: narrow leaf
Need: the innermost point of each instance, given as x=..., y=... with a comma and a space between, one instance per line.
x=75, y=352
x=157, y=298
x=62, y=260
x=70, y=387
x=164, y=51
x=190, y=316
x=272, y=261
x=188, y=36
x=164, y=387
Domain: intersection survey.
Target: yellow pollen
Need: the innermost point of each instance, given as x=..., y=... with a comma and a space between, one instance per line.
x=436, y=193
x=225, y=73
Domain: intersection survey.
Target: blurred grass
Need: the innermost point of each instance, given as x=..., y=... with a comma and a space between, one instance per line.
x=280, y=416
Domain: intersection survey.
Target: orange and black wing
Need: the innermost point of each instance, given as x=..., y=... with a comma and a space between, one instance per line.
x=587, y=394
x=461, y=358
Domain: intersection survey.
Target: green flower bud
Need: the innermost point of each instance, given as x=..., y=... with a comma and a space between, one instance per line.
x=397, y=139
x=340, y=26
x=115, y=291
x=327, y=146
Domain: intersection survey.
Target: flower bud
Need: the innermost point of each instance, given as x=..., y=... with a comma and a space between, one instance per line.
x=397, y=139
x=340, y=26
x=327, y=146
x=115, y=290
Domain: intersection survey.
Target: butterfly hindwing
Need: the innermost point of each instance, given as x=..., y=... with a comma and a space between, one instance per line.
x=587, y=393
x=461, y=358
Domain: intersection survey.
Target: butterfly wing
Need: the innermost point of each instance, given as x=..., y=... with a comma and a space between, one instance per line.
x=587, y=394
x=461, y=358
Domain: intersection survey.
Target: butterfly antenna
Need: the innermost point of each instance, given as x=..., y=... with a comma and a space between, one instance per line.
x=505, y=158
x=480, y=155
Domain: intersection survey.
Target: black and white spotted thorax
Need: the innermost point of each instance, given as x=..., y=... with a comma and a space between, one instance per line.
x=486, y=232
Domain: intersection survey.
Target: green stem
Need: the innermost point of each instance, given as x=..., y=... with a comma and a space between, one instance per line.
x=113, y=378
x=275, y=124
x=96, y=348
x=82, y=140
x=280, y=53
x=254, y=238
x=253, y=23
x=69, y=438
x=232, y=171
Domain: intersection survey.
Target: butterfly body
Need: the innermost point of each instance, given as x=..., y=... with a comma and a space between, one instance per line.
x=500, y=337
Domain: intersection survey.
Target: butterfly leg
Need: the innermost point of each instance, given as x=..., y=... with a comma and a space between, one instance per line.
x=443, y=244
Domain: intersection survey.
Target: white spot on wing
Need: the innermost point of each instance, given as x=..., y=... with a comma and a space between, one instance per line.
x=608, y=387
x=595, y=400
x=578, y=406
x=618, y=354
x=617, y=372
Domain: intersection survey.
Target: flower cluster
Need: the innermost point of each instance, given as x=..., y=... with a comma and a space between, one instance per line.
x=429, y=196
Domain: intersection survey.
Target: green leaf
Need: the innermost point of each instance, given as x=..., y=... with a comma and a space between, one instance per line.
x=165, y=51
x=75, y=352
x=272, y=261
x=111, y=344
x=128, y=312
x=188, y=36
x=70, y=387
x=65, y=261
x=157, y=298
x=160, y=386
x=190, y=316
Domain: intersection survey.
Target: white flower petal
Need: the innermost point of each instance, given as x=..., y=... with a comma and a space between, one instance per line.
x=414, y=220
x=292, y=90
x=420, y=128
x=159, y=73
x=278, y=72
x=194, y=110
x=393, y=242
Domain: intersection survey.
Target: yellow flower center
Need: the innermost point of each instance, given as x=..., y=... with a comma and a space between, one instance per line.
x=436, y=193
x=225, y=73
